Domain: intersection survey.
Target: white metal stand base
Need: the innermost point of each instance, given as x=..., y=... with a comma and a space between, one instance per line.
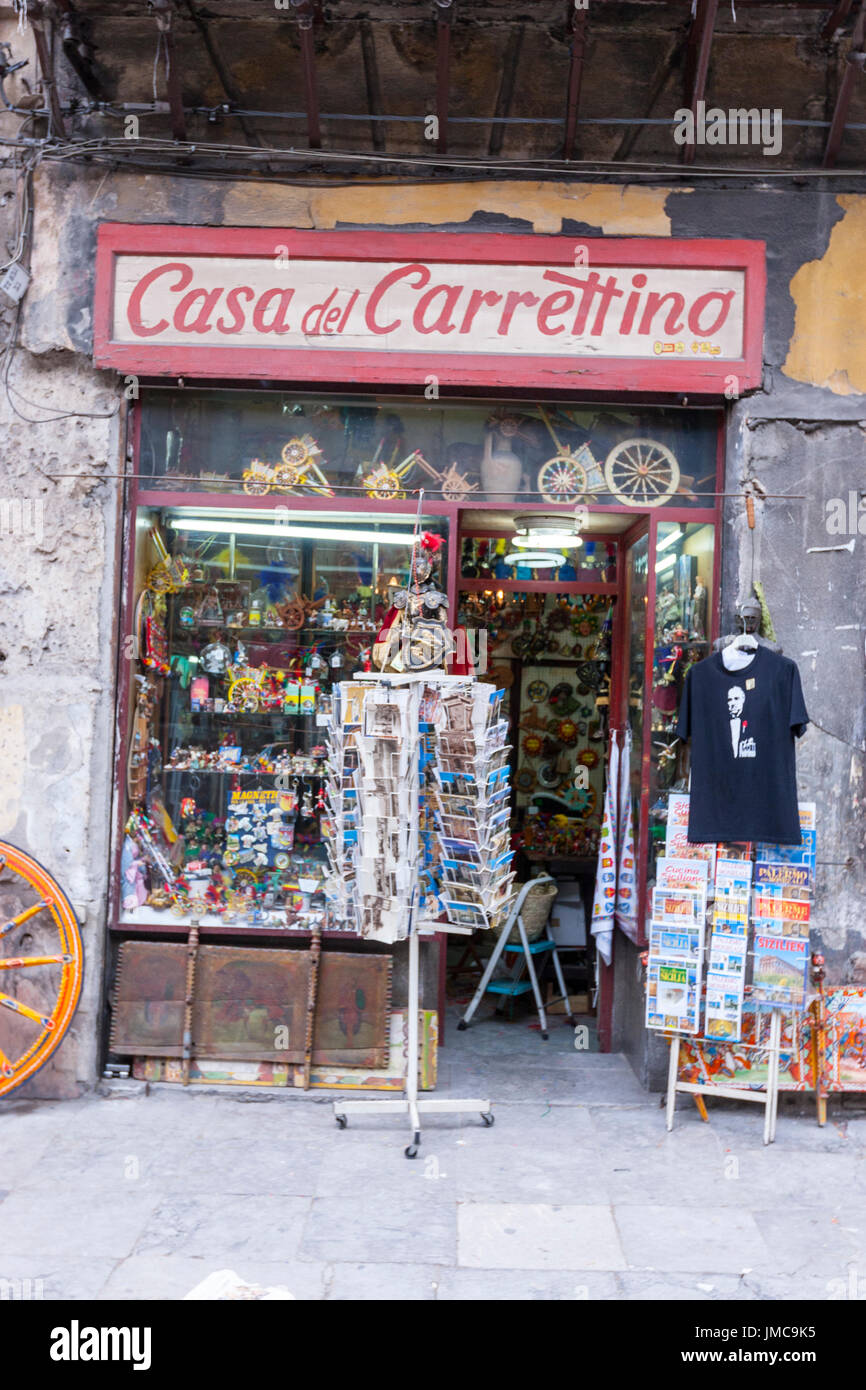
x=410, y=1104
x=769, y=1097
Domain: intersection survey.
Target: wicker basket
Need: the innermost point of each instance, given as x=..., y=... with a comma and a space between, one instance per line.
x=535, y=912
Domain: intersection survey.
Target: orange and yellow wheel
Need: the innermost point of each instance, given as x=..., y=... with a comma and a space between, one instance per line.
x=41, y=966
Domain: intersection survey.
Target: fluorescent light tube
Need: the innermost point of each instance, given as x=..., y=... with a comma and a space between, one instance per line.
x=669, y=540
x=666, y=562
x=211, y=525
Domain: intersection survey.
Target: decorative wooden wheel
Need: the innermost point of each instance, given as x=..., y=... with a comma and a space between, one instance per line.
x=297, y=455
x=288, y=475
x=256, y=482
x=641, y=473
x=562, y=479
x=384, y=484
x=41, y=966
x=245, y=694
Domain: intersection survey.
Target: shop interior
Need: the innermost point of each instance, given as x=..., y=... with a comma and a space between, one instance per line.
x=271, y=533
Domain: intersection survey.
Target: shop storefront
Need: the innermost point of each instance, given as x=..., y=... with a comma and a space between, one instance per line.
x=299, y=400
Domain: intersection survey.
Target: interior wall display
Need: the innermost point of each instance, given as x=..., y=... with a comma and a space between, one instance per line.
x=248, y=1002
x=743, y=724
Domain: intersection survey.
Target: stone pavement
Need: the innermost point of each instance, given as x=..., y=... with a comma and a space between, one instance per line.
x=576, y=1192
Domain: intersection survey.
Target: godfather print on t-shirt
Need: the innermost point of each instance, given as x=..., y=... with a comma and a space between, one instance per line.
x=742, y=725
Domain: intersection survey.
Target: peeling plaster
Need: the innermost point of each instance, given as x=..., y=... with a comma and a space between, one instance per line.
x=628, y=211
x=828, y=346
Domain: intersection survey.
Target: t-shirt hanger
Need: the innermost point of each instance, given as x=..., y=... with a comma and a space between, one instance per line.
x=740, y=653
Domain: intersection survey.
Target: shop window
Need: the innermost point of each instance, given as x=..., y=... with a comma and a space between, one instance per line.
x=681, y=637
x=282, y=444
x=244, y=620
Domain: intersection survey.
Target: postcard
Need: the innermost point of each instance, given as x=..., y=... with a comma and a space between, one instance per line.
x=677, y=907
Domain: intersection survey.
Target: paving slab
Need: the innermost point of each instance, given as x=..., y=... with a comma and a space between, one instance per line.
x=504, y=1166
x=29, y=1277
x=161, y=1277
x=510, y=1235
x=228, y=1228
x=52, y=1222
x=404, y=1226
x=683, y=1288
x=812, y=1240
x=378, y=1282
x=525, y=1286
x=675, y=1238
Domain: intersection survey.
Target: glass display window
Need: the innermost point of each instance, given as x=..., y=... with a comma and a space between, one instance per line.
x=243, y=622
x=280, y=444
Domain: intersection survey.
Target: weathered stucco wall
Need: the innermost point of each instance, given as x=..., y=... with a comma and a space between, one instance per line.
x=57, y=567
x=800, y=436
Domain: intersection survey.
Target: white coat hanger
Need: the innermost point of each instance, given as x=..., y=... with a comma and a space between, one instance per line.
x=745, y=641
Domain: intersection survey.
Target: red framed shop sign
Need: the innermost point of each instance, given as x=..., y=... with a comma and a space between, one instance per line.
x=537, y=312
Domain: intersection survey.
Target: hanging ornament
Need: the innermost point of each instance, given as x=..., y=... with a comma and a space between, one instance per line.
x=532, y=745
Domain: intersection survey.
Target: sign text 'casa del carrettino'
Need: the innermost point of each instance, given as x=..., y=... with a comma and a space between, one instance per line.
x=552, y=312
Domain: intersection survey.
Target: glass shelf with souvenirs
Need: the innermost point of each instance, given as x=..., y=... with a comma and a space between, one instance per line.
x=681, y=638
x=281, y=443
x=228, y=752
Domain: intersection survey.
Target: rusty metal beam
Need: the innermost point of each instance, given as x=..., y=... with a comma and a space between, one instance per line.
x=164, y=13
x=505, y=95
x=41, y=32
x=444, y=10
x=839, y=15
x=306, y=13
x=698, y=61
x=226, y=80
x=853, y=64
x=372, y=83
x=575, y=79
x=660, y=81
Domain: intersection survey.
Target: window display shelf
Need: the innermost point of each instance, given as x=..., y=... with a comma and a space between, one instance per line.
x=179, y=927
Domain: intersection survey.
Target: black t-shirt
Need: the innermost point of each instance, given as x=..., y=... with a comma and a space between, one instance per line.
x=742, y=726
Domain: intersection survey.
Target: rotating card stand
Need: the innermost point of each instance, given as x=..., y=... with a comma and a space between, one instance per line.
x=411, y=1105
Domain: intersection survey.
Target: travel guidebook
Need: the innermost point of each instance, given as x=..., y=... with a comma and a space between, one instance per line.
x=780, y=970
x=673, y=995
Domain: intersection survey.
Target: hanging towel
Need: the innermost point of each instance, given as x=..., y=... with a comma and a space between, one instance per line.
x=604, y=902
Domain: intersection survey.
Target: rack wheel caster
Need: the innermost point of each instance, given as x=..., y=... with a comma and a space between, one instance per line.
x=342, y=1120
x=545, y=1036
x=411, y=1151
x=462, y=1026
x=488, y=1118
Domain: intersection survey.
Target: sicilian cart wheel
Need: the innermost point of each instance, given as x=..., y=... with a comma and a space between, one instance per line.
x=288, y=475
x=384, y=484
x=41, y=965
x=562, y=479
x=296, y=455
x=255, y=485
x=641, y=473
